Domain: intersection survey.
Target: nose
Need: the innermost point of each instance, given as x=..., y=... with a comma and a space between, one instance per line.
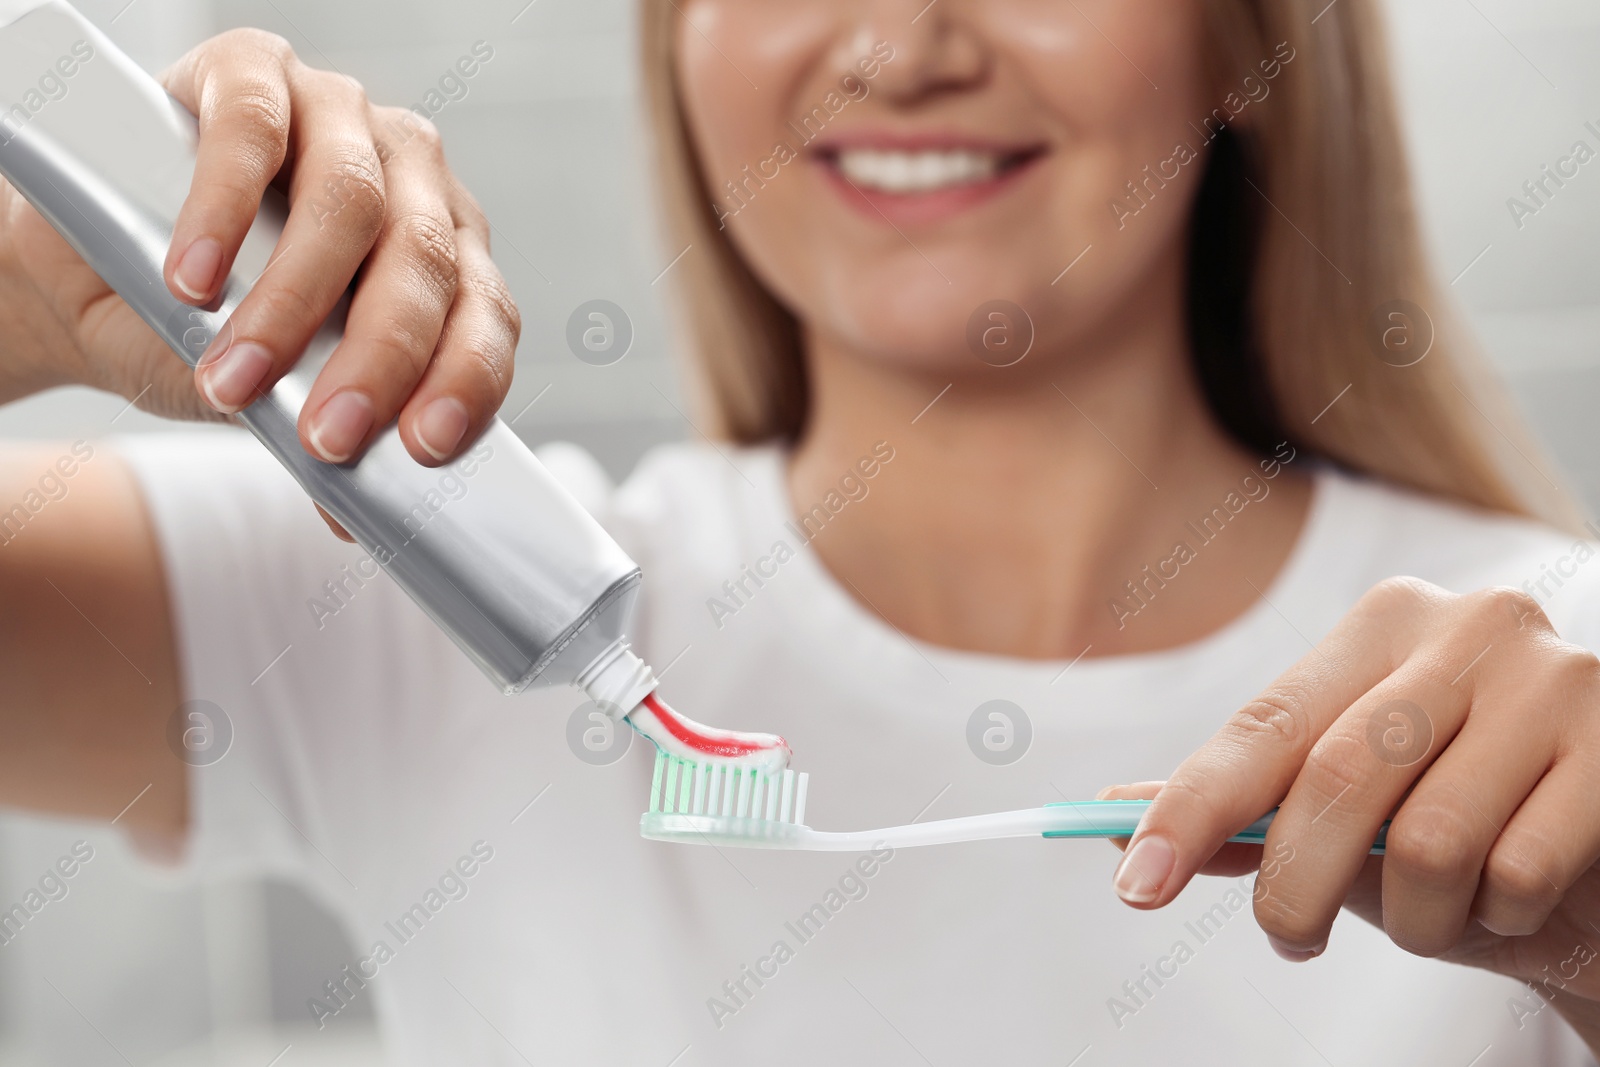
x=938, y=46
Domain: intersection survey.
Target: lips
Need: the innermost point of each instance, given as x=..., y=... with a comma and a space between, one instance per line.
x=923, y=180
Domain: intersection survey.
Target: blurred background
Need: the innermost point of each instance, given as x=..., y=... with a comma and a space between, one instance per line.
x=547, y=136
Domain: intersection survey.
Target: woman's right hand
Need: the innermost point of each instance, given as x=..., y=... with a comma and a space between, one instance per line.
x=432, y=328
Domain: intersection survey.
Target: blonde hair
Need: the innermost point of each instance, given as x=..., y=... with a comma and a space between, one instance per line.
x=1307, y=232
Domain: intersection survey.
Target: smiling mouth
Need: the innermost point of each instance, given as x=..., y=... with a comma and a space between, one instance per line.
x=919, y=172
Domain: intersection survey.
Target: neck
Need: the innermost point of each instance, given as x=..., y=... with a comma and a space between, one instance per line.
x=1020, y=506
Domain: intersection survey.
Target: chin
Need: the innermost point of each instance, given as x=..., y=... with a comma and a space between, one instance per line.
x=932, y=361
x=909, y=316
x=903, y=327
x=929, y=340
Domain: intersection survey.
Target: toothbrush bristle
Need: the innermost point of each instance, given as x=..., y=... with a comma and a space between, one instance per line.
x=655, y=784
x=669, y=796
x=742, y=794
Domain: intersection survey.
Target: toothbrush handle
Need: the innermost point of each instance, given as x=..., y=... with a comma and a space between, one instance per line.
x=1119, y=818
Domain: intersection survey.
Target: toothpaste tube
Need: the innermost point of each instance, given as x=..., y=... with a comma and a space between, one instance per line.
x=513, y=569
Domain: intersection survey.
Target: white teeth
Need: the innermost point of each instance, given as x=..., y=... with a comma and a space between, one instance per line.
x=917, y=172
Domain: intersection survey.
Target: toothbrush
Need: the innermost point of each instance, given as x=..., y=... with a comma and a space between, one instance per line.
x=693, y=802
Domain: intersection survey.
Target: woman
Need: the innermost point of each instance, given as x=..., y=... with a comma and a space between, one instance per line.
x=1041, y=340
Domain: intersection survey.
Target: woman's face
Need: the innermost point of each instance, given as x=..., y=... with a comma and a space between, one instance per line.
x=888, y=167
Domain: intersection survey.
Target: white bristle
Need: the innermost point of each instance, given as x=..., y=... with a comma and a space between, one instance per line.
x=699, y=789
x=683, y=791
x=743, y=810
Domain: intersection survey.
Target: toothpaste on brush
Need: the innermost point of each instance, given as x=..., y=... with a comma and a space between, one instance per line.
x=683, y=737
x=624, y=687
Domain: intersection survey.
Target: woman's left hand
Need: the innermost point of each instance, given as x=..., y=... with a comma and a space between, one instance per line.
x=1464, y=719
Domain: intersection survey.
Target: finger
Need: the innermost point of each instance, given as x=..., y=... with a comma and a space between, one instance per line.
x=238, y=88
x=1250, y=763
x=1363, y=766
x=1134, y=791
x=398, y=313
x=1444, y=832
x=1541, y=854
x=333, y=524
x=1548, y=843
x=1352, y=779
x=1230, y=861
x=1365, y=898
x=90, y=337
x=471, y=372
x=337, y=200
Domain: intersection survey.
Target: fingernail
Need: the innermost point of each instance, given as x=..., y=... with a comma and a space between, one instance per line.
x=196, y=272
x=1295, y=955
x=1144, y=869
x=230, y=380
x=1107, y=791
x=342, y=424
x=441, y=426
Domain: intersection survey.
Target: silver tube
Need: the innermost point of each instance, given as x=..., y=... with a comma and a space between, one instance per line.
x=494, y=549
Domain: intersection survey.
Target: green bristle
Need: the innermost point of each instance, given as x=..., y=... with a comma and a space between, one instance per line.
x=685, y=789
x=655, y=783
x=669, y=797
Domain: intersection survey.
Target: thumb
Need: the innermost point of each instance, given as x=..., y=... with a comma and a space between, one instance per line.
x=333, y=524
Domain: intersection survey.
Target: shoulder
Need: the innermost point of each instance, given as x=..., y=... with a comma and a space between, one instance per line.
x=1386, y=531
x=1403, y=524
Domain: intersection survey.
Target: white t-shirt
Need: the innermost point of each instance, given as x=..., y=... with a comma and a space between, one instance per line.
x=522, y=919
